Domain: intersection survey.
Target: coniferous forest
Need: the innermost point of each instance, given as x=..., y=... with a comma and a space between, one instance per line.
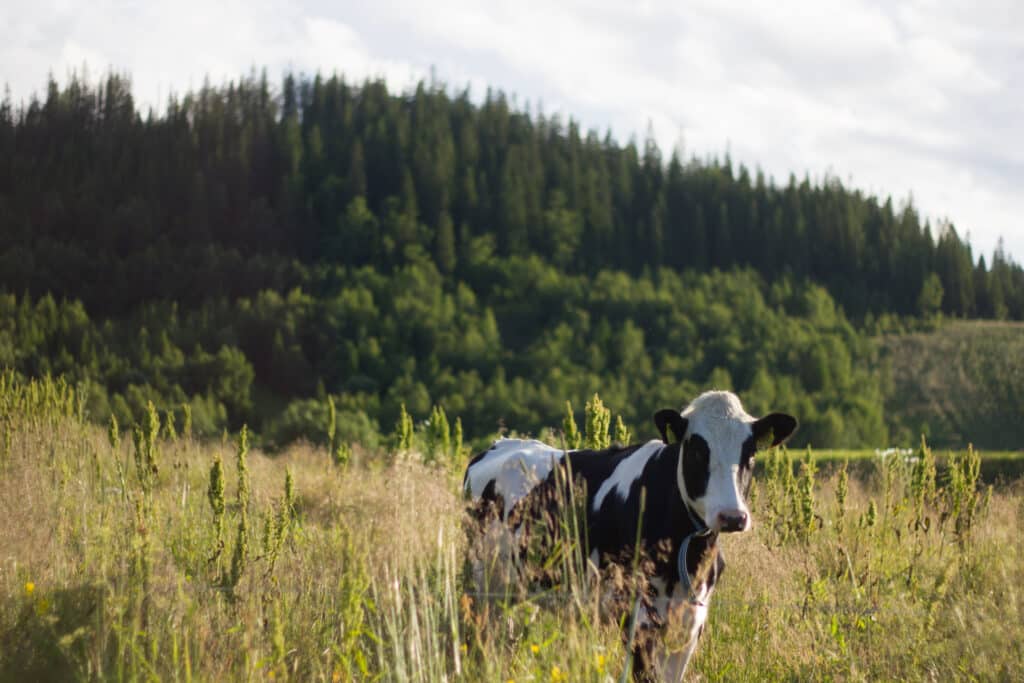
x=255, y=248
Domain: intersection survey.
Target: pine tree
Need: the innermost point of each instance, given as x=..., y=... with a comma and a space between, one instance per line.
x=444, y=244
x=355, y=179
x=929, y=301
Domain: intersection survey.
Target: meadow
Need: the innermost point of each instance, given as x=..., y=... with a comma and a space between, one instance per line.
x=147, y=554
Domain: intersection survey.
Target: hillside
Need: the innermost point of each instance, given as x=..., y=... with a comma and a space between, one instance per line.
x=505, y=355
x=254, y=251
x=962, y=383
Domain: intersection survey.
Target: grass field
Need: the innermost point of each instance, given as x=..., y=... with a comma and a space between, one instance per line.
x=997, y=467
x=139, y=557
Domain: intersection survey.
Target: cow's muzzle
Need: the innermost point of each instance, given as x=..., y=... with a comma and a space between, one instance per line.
x=732, y=520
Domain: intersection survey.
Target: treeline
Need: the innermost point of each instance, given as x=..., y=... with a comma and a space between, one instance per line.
x=233, y=189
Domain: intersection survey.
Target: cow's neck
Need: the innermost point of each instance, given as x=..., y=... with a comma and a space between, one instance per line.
x=669, y=520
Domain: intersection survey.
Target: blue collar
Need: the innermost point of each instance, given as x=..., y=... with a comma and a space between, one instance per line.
x=701, y=531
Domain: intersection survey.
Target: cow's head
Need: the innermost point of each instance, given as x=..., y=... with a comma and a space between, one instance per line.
x=716, y=460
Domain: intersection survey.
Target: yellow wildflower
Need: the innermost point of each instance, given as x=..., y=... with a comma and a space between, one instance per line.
x=30, y=588
x=600, y=660
x=557, y=675
x=535, y=648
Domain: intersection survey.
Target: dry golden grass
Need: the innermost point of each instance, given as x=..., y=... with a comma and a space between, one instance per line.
x=100, y=582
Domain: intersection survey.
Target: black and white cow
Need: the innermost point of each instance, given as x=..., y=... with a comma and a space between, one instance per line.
x=695, y=482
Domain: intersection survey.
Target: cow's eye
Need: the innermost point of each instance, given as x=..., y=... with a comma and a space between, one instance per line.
x=698, y=452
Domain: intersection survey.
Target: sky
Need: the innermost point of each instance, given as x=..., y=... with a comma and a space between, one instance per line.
x=918, y=99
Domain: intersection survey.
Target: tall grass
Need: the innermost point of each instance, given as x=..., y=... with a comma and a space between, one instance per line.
x=116, y=563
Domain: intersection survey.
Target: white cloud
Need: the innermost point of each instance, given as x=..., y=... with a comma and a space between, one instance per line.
x=918, y=98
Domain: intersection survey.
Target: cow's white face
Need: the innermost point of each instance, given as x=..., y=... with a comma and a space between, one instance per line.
x=716, y=462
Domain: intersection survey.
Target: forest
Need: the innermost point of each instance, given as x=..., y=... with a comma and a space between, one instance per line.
x=253, y=250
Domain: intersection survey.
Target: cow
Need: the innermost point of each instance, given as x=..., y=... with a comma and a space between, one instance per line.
x=675, y=495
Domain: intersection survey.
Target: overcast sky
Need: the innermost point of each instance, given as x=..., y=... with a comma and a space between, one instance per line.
x=918, y=98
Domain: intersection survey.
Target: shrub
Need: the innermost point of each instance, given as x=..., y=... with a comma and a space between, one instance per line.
x=306, y=419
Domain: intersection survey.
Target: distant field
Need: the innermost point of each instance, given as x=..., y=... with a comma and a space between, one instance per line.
x=996, y=466
x=840, y=454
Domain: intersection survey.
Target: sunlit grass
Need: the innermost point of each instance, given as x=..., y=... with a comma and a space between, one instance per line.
x=111, y=571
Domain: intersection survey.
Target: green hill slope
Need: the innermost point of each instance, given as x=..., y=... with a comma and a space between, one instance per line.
x=963, y=383
x=252, y=250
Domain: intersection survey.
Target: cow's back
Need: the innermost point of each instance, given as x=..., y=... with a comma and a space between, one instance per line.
x=509, y=470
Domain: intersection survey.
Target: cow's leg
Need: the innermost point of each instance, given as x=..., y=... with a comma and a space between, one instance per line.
x=646, y=635
x=654, y=663
x=672, y=665
x=645, y=665
x=687, y=624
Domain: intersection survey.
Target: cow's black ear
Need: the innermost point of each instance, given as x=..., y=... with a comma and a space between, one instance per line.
x=773, y=429
x=666, y=419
